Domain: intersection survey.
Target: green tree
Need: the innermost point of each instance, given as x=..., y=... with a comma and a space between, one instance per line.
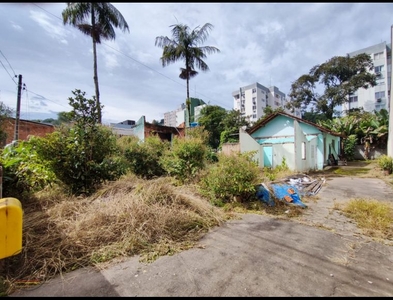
x=231, y=123
x=5, y=113
x=97, y=20
x=185, y=46
x=313, y=116
x=64, y=117
x=85, y=154
x=211, y=118
x=340, y=77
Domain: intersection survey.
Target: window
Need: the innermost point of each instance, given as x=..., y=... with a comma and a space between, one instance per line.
x=254, y=116
x=379, y=95
x=378, y=69
x=353, y=99
x=303, y=150
x=254, y=90
x=254, y=107
x=378, y=55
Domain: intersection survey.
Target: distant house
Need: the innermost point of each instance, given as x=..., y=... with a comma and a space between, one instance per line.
x=304, y=145
x=143, y=129
x=25, y=129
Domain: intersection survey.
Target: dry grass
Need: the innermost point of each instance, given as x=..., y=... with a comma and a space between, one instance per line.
x=128, y=217
x=280, y=210
x=373, y=216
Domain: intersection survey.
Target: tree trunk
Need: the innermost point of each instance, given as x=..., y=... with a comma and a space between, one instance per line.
x=95, y=78
x=96, y=83
x=188, y=102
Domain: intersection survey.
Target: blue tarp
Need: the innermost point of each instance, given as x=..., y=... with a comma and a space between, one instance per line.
x=281, y=191
x=263, y=194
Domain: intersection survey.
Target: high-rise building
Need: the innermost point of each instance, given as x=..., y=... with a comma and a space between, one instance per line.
x=377, y=97
x=251, y=100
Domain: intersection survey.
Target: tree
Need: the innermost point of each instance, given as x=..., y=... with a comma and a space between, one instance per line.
x=184, y=46
x=313, y=116
x=5, y=113
x=211, y=118
x=341, y=76
x=231, y=123
x=103, y=17
x=85, y=154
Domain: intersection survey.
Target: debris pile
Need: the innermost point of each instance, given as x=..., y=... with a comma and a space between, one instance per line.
x=289, y=189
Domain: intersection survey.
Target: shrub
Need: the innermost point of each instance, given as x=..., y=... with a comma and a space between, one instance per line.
x=82, y=160
x=144, y=156
x=24, y=172
x=85, y=154
x=385, y=163
x=232, y=178
x=185, y=158
x=349, y=146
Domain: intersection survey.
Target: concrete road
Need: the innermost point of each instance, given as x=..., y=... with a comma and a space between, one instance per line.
x=256, y=256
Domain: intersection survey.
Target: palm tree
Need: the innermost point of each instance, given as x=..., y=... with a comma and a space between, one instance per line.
x=185, y=46
x=96, y=19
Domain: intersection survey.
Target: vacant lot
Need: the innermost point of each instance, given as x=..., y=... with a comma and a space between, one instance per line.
x=261, y=255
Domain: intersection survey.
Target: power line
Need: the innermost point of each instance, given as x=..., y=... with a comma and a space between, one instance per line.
x=8, y=63
x=12, y=78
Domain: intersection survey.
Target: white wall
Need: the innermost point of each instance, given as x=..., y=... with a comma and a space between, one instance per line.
x=247, y=143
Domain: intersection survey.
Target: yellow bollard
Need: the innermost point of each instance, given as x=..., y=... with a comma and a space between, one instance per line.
x=11, y=220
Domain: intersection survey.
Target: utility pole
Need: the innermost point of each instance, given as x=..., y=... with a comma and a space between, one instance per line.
x=17, y=117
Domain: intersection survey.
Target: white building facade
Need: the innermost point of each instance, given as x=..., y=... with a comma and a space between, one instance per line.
x=377, y=97
x=176, y=117
x=252, y=99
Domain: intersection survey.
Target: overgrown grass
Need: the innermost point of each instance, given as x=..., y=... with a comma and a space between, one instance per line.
x=149, y=218
x=373, y=216
x=128, y=217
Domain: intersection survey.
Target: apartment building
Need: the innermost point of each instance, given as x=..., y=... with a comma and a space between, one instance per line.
x=251, y=100
x=176, y=117
x=377, y=97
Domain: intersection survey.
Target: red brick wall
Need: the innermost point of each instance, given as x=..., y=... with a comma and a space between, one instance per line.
x=26, y=128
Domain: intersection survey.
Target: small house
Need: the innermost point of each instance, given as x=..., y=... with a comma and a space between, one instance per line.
x=281, y=137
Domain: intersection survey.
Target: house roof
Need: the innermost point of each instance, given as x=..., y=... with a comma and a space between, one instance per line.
x=266, y=120
x=33, y=122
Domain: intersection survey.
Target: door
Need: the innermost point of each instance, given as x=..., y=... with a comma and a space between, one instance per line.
x=268, y=156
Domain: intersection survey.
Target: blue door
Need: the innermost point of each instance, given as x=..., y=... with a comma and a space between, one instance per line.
x=268, y=156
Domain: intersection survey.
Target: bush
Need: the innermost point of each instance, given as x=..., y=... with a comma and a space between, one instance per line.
x=232, y=178
x=385, y=163
x=349, y=146
x=185, y=158
x=144, y=156
x=82, y=159
x=24, y=172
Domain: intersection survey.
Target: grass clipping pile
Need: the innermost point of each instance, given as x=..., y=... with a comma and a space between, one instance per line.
x=128, y=217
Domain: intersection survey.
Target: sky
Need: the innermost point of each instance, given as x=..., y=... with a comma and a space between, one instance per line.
x=269, y=43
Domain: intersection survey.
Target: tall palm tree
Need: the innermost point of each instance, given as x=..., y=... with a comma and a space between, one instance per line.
x=98, y=20
x=184, y=46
